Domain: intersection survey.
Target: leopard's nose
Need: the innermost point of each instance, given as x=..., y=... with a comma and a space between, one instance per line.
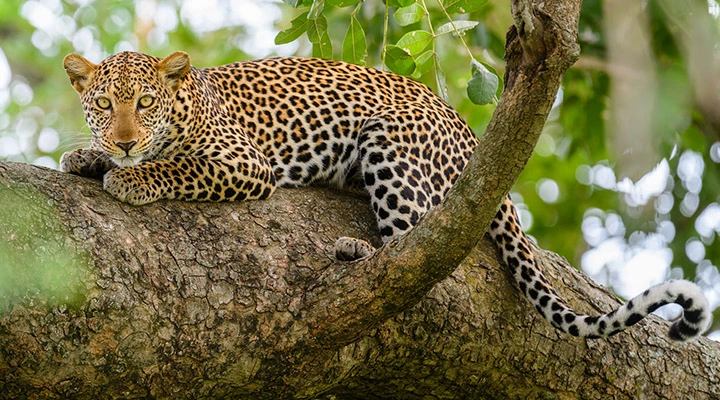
x=126, y=145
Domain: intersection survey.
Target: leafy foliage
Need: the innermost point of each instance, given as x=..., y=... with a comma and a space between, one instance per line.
x=406, y=55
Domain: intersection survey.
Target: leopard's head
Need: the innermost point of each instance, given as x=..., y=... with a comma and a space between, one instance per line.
x=127, y=99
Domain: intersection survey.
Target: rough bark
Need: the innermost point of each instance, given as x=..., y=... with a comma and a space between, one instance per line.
x=187, y=300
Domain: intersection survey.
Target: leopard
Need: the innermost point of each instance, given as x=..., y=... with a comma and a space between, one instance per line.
x=164, y=129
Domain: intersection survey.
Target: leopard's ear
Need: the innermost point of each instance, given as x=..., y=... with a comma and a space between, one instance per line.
x=80, y=70
x=173, y=68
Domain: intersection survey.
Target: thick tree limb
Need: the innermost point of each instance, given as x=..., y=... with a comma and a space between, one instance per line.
x=189, y=300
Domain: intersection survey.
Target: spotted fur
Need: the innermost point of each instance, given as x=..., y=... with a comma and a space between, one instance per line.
x=162, y=129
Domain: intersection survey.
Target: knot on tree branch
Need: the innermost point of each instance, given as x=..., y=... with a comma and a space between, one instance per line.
x=537, y=42
x=530, y=30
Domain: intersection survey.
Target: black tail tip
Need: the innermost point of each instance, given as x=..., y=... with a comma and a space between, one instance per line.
x=680, y=331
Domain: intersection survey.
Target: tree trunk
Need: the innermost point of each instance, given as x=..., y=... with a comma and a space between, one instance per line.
x=197, y=300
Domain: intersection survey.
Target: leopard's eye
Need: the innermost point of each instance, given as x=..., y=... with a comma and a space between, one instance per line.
x=146, y=101
x=103, y=102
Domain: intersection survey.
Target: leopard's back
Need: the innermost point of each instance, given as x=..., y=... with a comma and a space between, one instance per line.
x=311, y=117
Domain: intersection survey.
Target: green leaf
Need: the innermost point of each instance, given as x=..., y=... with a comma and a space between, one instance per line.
x=410, y=14
x=318, y=35
x=316, y=29
x=298, y=26
x=483, y=85
x=354, y=46
x=399, y=60
x=415, y=42
x=342, y=3
x=316, y=9
x=423, y=63
x=463, y=6
x=459, y=27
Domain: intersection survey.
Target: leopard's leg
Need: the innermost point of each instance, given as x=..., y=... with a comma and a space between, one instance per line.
x=191, y=178
x=393, y=172
x=89, y=163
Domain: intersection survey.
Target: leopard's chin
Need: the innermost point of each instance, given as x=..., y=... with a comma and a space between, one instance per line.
x=127, y=161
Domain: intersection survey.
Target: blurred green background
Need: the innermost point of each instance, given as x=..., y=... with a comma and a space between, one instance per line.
x=625, y=180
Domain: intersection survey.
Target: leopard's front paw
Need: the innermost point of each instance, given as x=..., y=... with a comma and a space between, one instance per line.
x=128, y=185
x=86, y=162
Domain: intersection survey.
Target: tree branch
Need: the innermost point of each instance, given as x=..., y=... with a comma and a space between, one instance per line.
x=192, y=300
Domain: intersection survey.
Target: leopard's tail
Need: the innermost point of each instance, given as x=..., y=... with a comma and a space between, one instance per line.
x=513, y=244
